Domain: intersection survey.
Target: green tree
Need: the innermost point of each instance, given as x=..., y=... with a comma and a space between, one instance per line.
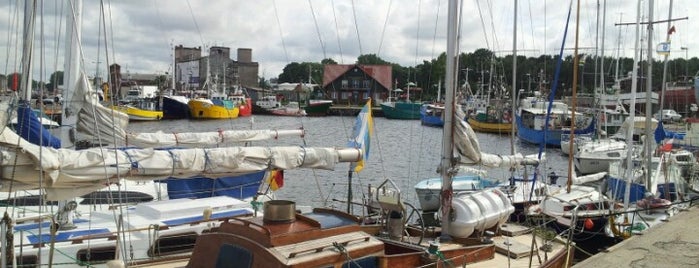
x=55, y=79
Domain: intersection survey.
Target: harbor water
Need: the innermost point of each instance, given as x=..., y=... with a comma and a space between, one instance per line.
x=402, y=150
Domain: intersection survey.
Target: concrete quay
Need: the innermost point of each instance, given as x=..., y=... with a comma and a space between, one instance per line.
x=671, y=244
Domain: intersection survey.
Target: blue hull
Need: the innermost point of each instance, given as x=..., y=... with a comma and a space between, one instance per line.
x=616, y=189
x=551, y=137
x=430, y=120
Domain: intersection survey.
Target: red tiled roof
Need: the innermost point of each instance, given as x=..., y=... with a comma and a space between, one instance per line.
x=380, y=73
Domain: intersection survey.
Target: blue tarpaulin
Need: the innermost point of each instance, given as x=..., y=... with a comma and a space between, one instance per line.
x=241, y=187
x=29, y=127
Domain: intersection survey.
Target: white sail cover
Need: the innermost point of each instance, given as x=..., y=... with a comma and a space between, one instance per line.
x=468, y=149
x=107, y=126
x=29, y=166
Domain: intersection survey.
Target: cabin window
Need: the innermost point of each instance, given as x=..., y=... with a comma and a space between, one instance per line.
x=31, y=200
x=345, y=83
x=346, y=95
x=614, y=154
x=96, y=255
x=173, y=244
x=27, y=261
x=115, y=197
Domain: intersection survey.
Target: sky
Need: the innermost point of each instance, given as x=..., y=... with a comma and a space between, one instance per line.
x=141, y=34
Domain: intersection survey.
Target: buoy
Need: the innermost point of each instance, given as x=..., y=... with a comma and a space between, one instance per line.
x=589, y=224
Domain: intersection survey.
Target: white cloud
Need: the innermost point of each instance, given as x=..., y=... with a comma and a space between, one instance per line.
x=404, y=31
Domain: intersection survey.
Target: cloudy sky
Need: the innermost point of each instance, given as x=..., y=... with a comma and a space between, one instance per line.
x=140, y=34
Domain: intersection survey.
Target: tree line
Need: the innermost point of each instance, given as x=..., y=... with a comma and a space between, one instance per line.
x=482, y=67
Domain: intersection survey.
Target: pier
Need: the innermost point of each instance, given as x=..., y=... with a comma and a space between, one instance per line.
x=672, y=244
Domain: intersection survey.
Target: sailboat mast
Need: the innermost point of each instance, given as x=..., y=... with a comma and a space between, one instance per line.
x=576, y=61
x=649, y=90
x=632, y=110
x=667, y=39
x=514, y=80
x=28, y=48
x=449, y=106
x=71, y=75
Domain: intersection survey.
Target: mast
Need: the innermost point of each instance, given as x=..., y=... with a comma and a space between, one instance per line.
x=174, y=70
x=667, y=39
x=445, y=167
x=514, y=81
x=649, y=90
x=71, y=76
x=632, y=110
x=28, y=48
x=576, y=61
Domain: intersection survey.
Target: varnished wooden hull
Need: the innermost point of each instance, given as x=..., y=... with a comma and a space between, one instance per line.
x=489, y=127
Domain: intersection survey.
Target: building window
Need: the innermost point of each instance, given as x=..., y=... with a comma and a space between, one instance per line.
x=333, y=94
x=345, y=83
x=345, y=95
x=365, y=95
x=355, y=84
x=367, y=84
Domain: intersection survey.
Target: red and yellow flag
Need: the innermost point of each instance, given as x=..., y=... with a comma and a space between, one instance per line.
x=275, y=179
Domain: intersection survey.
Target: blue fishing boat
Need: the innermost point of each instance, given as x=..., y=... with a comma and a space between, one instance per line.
x=534, y=127
x=431, y=114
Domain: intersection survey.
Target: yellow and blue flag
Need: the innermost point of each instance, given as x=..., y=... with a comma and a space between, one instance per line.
x=361, y=134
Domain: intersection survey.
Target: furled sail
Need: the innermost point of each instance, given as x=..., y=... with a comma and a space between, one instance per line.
x=105, y=125
x=468, y=150
x=29, y=166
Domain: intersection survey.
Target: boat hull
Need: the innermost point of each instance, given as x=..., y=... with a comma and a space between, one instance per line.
x=245, y=109
x=489, y=127
x=205, y=109
x=136, y=114
x=318, y=109
x=432, y=115
x=401, y=110
x=550, y=137
x=175, y=109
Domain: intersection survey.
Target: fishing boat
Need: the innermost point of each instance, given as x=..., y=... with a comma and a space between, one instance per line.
x=496, y=117
x=244, y=104
x=140, y=110
x=213, y=108
x=217, y=104
x=431, y=114
x=533, y=118
x=400, y=109
x=317, y=107
x=176, y=107
x=273, y=105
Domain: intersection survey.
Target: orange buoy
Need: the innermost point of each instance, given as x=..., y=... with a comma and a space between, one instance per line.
x=589, y=224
